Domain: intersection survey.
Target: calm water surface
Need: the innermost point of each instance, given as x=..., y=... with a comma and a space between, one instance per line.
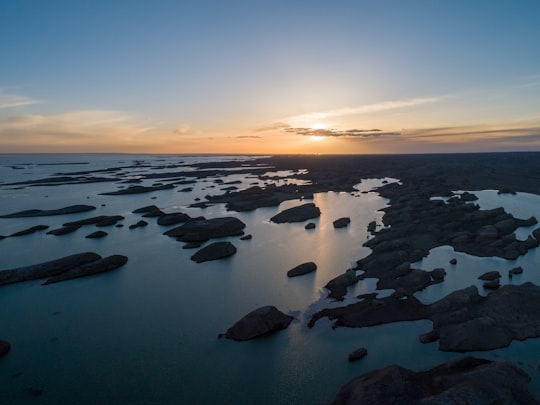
x=147, y=333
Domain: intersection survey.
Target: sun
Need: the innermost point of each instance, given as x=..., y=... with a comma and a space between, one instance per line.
x=319, y=126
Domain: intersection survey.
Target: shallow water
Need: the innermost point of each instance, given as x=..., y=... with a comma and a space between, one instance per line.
x=147, y=333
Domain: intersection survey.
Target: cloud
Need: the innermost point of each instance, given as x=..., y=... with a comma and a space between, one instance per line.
x=13, y=100
x=363, y=109
x=477, y=131
x=249, y=136
x=272, y=127
x=349, y=133
x=184, y=130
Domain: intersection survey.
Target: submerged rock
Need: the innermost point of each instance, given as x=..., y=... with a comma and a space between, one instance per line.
x=96, y=235
x=297, y=214
x=64, y=230
x=30, y=230
x=4, y=347
x=138, y=224
x=262, y=321
x=214, y=251
x=514, y=271
x=139, y=189
x=72, y=209
x=464, y=381
x=302, y=269
x=490, y=276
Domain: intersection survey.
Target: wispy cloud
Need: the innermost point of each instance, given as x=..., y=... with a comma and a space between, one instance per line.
x=183, y=130
x=272, y=127
x=13, y=100
x=248, y=137
x=362, y=109
x=349, y=133
x=476, y=131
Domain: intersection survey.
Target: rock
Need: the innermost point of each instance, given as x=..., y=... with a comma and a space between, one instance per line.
x=358, y=354
x=201, y=229
x=102, y=220
x=247, y=237
x=506, y=191
x=297, y=214
x=214, y=251
x=145, y=210
x=372, y=226
x=464, y=381
x=490, y=276
x=173, y=219
x=99, y=266
x=338, y=285
x=4, y=347
x=536, y=234
x=29, y=230
x=302, y=269
x=261, y=322
x=476, y=334
x=192, y=245
x=72, y=209
x=96, y=235
x=310, y=225
x=466, y=196
x=453, y=261
x=514, y=271
x=438, y=274
x=64, y=230
x=47, y=269
x=342, y=222
x=139, y=190
x=153, y=214
x=139, y=224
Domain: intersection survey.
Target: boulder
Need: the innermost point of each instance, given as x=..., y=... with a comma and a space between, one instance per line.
x=145, y=210
x=492, y=284
x=372, y=226
x=438, y=274
x=201, y=229
x=64, y=230
x=302, y=269
x=247, y=237
x=99, y=266
x=453, y=261
x=338, y=285
x=299, y=213
x=214, y=251
x=139, y=189
x=358, y=354
x=464, y=381
x=342, y=222
x=262, y=321
x=310, y=225
x=514, y=271
x=139, y=224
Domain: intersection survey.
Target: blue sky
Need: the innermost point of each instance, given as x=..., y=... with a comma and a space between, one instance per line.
x=252, y=76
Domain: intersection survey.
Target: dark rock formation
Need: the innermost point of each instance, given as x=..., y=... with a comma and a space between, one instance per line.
x=302, y=269
x=262, y=321
x=338, y=285
x=173, y=218
x=144, y=210
x=64, y=230
x=102, y=220
x=201, y=229
x=490, y=276
x=214, y=251
x=463, y=320
x=246, y=237
x=453, y=261
x=47, y=269
x=96, y=235
x=342, y=222
x=192, y=245
x=139, y=190
x=139, y=224
x=99, y=266
x=492, y=284
x=358, y=354
x=297, y=214
x=72, y=209
x=438, y=274
x=30, y=230
x=4, y=347
x=514, y=271
x=310, y=225
x=464, y=381
x=372, y=226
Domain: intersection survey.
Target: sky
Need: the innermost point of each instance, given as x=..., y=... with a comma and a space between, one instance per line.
x=268, y=77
